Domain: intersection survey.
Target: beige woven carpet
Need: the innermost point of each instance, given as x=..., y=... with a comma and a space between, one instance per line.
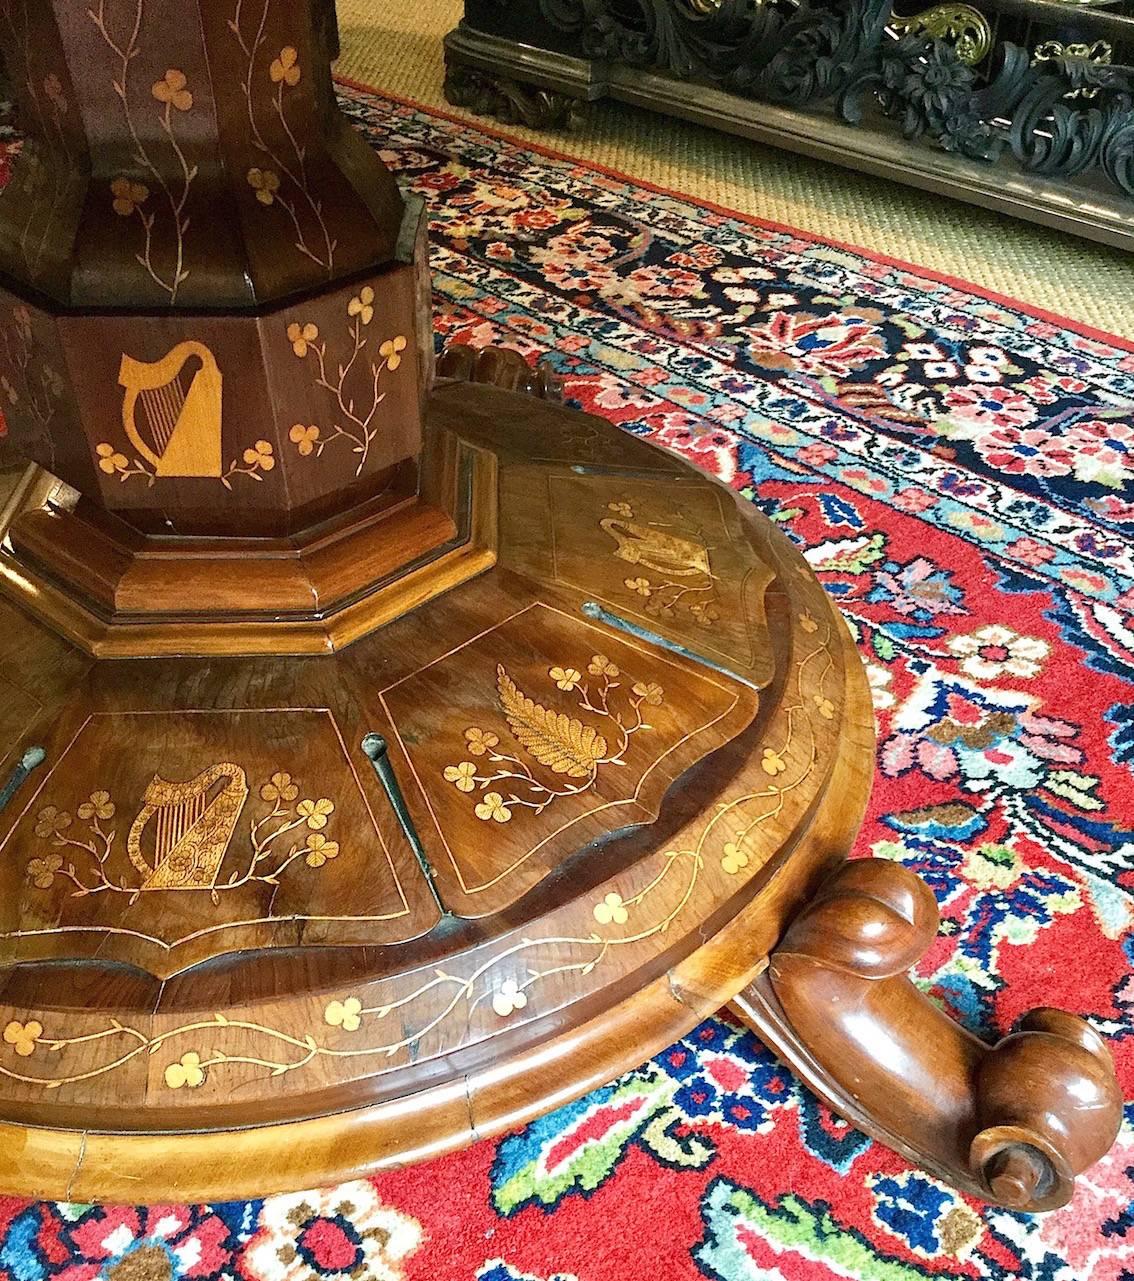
x=395, y=45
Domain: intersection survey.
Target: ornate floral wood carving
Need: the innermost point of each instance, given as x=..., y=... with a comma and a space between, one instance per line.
x=507, y=99
x=937, y=73
x=690, y=40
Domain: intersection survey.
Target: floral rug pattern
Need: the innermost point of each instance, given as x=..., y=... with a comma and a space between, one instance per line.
x=960, y=473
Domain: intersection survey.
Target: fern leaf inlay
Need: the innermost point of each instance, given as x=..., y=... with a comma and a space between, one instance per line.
x=561, y=742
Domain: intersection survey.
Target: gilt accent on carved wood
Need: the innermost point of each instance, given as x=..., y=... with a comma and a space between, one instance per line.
x=939, y=73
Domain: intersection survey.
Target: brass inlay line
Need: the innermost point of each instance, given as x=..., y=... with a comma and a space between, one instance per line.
x=167, y=945
x=786, y=771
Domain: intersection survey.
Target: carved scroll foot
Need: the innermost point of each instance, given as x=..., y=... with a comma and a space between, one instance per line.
x=499, y=367
x=507, y=100
x=1013, y=1124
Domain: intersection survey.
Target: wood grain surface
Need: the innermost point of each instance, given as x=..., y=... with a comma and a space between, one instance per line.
x=215, y=923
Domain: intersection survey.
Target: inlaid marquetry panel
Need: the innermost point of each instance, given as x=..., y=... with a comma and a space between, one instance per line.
x=183, y=155
x=544, y=733
x=165, y=838
x=663, y=555
x=210, y=424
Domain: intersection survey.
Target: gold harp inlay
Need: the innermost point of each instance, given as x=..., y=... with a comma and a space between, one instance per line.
x=192, y=830
x=183, y=424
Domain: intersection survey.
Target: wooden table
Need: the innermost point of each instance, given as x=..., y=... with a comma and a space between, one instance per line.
x=392, y=757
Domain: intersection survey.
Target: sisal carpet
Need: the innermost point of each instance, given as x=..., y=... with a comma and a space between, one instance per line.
x=960, y=472
x=396, y=45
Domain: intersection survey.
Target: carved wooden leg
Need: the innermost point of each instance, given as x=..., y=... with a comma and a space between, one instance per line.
x=499, y=367
x=509, y=101
x=1012, y=1124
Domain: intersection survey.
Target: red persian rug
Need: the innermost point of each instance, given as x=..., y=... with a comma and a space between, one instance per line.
x=960, y=472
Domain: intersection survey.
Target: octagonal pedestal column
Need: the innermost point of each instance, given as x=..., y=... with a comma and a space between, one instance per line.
x=215, y=334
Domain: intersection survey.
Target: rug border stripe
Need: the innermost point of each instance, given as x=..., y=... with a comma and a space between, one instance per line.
x=768, y=224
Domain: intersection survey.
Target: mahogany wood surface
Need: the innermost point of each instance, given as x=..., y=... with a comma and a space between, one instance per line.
x=1013, y=1123
x=383, y=760
x=185, y=153
x=645, y=801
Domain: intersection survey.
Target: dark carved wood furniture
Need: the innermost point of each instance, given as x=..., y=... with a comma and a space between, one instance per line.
x=387, y=756
x=1023, y=106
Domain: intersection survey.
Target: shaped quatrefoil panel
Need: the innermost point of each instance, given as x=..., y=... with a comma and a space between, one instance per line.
x=543, y=734
x=164, y=839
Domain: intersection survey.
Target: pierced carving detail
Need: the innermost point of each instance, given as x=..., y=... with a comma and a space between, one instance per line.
x=964, y=27
x=935, y=72
x=507, y=100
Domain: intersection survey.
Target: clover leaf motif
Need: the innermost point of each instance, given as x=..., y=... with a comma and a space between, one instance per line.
x=771, y=762
x=41, y=871
x=733, y=858
x=480, y=741
x=651, y=693
x=612, y=910
x=305, y=439
x=362, y=305
x=23, y=1037
x=345, y=1014
x=171, y=89
x=508, y=998
x=127, y=196
x=301, y=337
x=279, y=788
x=187, y=1072
x=462, y=776
x=260, y=456
x=265, y=183
x=391, y=351
x=493, y=807
x=110, y=460
x=285, y=69
x=320, y=850
x=315, y=812
x=51, y=822
x=97, y=805
x=600, y=665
